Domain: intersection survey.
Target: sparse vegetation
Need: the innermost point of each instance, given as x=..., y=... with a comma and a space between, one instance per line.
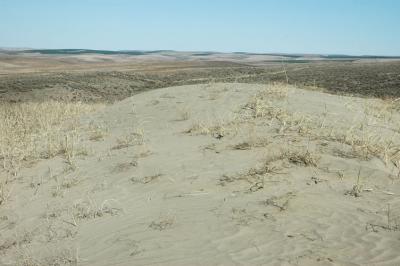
x=146, y=179
x=121, y=167
x=88, y=209
x=135, y=138
x=357, y=187
x=380, y=79
x=217, y=131
x=5, y=192
x=280, y=202
x=162, y=223
x=301, y=158
x=31, y=131
x=98, y=132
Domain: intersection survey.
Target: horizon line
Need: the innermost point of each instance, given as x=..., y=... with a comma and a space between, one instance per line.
x=26, y=49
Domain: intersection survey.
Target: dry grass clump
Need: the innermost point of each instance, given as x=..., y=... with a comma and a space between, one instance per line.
x=294, y=122
x=367, y=138
x=5, y=192
x=121, y=167
x=280, y=202
x=128, y=140
x=58, y=256
x=67, y=145
x=383, y=109
x=252, y=143
x=97, y=132
x=255, y=180
x=272, y=165
x=262, y=105
x=89, y=209
x=301, y=158
x=162, y=224
x=19, y=240
x=35, y=130
x=261, y=108
x=362, y=146
x=65, y=182
x=217, y=130
x=357, y=187
x=254, y=177
x=276, y=92
x=32, y=131
x=366, y=144
x=147, y=179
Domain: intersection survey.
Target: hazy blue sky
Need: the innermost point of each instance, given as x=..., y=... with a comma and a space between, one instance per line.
x=297, y=26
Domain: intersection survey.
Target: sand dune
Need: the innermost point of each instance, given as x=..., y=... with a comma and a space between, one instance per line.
x=216, y=174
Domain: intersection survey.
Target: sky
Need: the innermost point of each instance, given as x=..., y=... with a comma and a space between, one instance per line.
x=356, y=27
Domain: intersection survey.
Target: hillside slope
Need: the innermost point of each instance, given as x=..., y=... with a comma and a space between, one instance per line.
x=217, y=174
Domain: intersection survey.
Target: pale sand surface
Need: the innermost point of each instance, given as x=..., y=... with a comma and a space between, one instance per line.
x=169, y=184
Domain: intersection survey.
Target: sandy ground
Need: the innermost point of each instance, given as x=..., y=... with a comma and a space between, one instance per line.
x=218, y=174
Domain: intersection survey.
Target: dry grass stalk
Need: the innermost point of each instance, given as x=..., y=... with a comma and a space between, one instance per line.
x=183, y=114
x=98, y=132
x=162, y=224
x=301, y=158
x=218, y=130
x=357, y=187
x=31, y=131
x=135, y=138
x=28, y=127
x=89, y=209
x=5, y=192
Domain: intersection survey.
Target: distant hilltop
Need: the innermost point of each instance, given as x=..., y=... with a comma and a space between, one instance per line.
x=295, y=57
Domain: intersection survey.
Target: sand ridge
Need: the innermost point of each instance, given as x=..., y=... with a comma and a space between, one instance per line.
x=216, y=174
